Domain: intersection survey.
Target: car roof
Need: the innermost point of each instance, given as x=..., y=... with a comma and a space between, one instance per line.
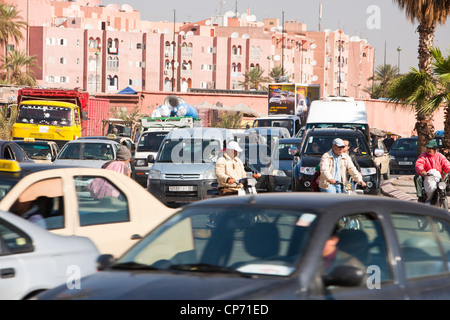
x=290, y=140
x=107, y=141
x=334, y=131
x=34, y=142
x=315, y=202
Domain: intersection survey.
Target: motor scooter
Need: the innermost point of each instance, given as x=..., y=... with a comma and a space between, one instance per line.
x=436, y=197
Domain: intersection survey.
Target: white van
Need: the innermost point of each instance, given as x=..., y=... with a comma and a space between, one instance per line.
x=338, y=112
x=183, y=170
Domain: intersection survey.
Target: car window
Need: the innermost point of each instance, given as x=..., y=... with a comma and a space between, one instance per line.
x=13, y=240
x=100, y=201
x=37, y=151
x=360, y=243
x=150, y=141
x=405, y=144
x=42, y=203
x=420, y=246
x=8, y=153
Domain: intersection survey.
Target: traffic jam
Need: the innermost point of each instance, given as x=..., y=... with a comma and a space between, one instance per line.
x=165, y=208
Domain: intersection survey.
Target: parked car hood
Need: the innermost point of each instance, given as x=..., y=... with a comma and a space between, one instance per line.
x=160, y=285
x=403, y=153
x=183, y=168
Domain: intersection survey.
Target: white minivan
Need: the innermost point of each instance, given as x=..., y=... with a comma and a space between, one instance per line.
x=338, y=112
x=183, y=170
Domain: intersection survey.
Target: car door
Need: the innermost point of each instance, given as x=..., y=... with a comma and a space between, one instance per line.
x=424, y=243
x=14, y=246
x=363, y=241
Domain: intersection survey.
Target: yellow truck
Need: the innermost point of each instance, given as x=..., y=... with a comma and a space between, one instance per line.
x=58, y=115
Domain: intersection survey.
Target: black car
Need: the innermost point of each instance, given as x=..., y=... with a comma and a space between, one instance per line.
x=10, y=150
x=318, y=141
x=271, y=247
x=280, y=170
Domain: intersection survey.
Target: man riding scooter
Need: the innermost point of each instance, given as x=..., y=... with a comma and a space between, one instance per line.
x=431, y=159
x=229, y=170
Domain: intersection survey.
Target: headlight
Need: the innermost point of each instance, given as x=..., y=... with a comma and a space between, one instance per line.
x=308, y=170
x=141, y=162
x=154, y=174
x=210, y=174
x=279, y=173
x=391, y=157
x=442, y=185
x=368, y=171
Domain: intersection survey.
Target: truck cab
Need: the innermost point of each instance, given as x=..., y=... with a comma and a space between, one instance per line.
x=290, y=122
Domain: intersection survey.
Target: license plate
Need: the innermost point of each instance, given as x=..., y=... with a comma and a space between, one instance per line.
x=405, y=163
x=181, y=188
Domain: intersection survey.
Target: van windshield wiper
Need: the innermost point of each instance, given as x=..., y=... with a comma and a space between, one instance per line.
x=133, y=265
x=203, y=267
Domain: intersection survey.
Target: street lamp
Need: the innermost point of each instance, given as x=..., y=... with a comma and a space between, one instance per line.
x=398, y=63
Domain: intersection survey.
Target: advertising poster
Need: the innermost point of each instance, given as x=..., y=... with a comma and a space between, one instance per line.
x=282, y=99
x=304, y=95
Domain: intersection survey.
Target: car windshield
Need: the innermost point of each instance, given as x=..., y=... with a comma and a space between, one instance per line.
x=150, y=141
x=189, y=151
x=36, y=151
x=319, y=144
x=288, y=124
x=238, y=239
x=87, y=151
x=283, y=151
x=405, y=144
x=47, y=115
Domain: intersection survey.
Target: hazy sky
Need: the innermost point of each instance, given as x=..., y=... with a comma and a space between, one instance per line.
x=379, y=21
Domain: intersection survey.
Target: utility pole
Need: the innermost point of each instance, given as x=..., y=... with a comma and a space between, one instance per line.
x=282, y=43
x=173, y=52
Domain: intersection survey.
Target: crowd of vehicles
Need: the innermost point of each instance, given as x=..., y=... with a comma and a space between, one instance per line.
x=234, y=244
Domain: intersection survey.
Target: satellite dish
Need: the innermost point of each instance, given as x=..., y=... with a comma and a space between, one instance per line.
x=208, y=22
x=127, y=8
x=189, y=33
x=276, y=58
x=315, y=78
x=313, y=46
x=181, y=33
x=176, y=64
x=251, y=18
x=245, y=36
x=234, y=35
x=229, y=14
x=166, y=31
x=313, y=62
x=88, y=26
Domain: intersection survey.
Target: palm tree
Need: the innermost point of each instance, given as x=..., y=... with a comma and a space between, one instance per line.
x=11, y=25
x=277, y=72
x=426, y=93
x=18, y=66
x=428, y=13
x=254, y=79
x=383, y=76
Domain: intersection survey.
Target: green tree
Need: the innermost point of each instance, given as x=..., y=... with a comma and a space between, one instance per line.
x=11, y=26
x=383, y=77
x=231, y=120
x=425, y=93
x=428, y=14
x=254, y=79
x=278, y=72
x=7, y=119
x=19, y=68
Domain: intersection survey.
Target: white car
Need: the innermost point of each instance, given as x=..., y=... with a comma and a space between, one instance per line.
x=33, y=260
x=108, y=207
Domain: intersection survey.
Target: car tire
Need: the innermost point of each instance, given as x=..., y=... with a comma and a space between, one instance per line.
x=387, y=174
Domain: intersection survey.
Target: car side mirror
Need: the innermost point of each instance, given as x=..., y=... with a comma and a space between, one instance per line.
x=293, y=151
x=378, y=152
x=104, y=261
x=84, y=116
x=150, y=158
x=344, y=276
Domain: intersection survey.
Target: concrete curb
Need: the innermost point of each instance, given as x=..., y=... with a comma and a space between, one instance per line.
x=389, y=190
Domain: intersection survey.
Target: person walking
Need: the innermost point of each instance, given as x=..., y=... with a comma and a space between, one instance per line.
x=334, y=167
x=122, y=162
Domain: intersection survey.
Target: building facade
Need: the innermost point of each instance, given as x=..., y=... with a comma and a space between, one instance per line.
x=104, y=49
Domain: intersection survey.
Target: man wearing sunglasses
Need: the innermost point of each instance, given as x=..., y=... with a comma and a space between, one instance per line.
x=334, y=167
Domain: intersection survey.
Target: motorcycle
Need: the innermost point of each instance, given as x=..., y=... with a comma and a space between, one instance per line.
x=351, y=222
x=436, y=195
x=246, y=186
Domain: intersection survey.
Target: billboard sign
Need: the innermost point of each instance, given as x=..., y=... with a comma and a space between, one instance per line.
x=281, y=98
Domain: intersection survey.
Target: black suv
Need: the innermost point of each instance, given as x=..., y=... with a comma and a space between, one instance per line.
x=318, y=141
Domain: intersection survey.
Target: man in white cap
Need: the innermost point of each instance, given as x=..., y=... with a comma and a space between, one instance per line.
x=229, y=170
x=334, y=166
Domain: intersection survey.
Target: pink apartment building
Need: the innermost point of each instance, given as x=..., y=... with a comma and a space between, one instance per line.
x=104, y=49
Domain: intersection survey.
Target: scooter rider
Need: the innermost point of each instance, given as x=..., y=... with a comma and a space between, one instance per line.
x=431, y=159
x=229, y=170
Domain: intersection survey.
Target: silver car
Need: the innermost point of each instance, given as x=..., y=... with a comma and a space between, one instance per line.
x=33, y=260
x=87, y=152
